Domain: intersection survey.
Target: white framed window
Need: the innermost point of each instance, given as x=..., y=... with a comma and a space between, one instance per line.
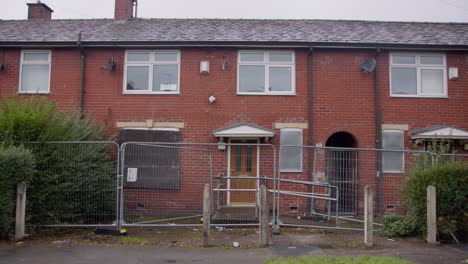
x=393, y=161
x=152, y=72
x=291, y=156
x=266, y=72
x=35, y=72
x=418, y=75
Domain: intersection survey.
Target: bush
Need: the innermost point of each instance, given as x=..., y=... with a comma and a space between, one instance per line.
x=36, y=119
x=16, y=165
x=74, y=183
x=397, y=226
x=450, y=181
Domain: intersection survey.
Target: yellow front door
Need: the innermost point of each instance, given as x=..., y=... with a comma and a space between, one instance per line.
x=243, y=164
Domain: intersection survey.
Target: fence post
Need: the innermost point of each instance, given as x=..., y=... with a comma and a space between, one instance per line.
x=206, y=214
x=264, y=221
x=20, y=211
x=431, y=215
x=368, y=217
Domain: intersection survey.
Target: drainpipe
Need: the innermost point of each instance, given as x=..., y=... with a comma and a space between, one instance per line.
x=82, y=73
x=310, y=112
x=378, y=138
x=310, y=109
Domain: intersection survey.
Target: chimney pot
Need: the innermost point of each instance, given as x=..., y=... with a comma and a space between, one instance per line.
x=124, y=9
x=39, y=10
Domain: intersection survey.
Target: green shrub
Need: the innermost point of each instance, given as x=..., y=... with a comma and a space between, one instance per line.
x=397, y=226
x=74, y=183
x=36, y=119
x=16, y=165
x=451, y=181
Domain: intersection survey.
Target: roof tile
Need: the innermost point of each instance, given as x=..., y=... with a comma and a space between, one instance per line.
x=235, y=30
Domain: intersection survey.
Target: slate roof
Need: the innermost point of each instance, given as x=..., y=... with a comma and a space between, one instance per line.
x=326, y=32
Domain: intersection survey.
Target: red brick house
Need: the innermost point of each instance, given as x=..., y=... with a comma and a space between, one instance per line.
x=363, y=84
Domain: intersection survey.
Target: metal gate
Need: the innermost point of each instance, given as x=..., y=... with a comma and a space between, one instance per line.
x=341, y=171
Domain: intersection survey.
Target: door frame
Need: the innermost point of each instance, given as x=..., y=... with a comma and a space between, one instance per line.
x=229, y=172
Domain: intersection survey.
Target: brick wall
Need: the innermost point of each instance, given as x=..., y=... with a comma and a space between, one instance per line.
x=343, y=98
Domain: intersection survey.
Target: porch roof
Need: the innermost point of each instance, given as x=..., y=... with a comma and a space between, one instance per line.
x=243, y=130
x=439, y=131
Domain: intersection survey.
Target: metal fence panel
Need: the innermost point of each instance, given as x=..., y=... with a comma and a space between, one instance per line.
x=452, y=158
x=334, y=180
x=162, y=183
x=75, y=184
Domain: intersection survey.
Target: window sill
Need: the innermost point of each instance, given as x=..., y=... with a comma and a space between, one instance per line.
x=151, y=93
x=291, y=171
x=393, y=172
x=420, y=96
x=268, y=94
x=34, y=93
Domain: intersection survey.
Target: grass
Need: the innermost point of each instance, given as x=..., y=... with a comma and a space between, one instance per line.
x=339, y=260
x=134, y=241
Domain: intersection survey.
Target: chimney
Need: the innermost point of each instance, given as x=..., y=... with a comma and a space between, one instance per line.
x=39, y=11
x=124, y=9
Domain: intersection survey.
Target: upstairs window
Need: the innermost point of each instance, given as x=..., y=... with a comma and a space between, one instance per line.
x=418, y=75
x=266, y=72
x=35, y=72
x=152, y=72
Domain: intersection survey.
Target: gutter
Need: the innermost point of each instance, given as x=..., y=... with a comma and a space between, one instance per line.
x=234, y=44
x=82, y=75
x=378, y=136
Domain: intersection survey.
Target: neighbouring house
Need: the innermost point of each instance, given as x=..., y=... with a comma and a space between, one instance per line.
x=335, y=83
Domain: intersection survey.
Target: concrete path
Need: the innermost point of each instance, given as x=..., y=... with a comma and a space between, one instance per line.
x=76, y=254
x=79, y=254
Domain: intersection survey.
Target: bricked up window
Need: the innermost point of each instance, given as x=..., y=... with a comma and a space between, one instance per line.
x=157, y=166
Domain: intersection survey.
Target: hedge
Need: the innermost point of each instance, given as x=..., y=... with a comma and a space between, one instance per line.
x=73, y=183
x=451, y=181
x=16, y=165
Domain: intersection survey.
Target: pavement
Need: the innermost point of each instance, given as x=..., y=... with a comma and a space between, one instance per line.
x=288, y=244
x=77, y=254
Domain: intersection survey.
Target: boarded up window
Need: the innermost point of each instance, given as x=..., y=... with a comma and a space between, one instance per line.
x=156, y=166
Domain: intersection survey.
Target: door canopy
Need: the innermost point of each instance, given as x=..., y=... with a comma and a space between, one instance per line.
x=243, y=130
x=446, y=132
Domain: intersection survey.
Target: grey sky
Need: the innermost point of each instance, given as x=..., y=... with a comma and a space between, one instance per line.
x=388, y=10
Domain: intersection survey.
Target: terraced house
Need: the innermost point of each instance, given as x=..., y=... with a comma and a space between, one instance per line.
x=321, y=83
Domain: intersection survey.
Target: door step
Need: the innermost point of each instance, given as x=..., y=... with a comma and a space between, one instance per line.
x=235, y=215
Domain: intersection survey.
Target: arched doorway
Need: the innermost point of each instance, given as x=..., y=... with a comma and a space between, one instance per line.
x=341, y=171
